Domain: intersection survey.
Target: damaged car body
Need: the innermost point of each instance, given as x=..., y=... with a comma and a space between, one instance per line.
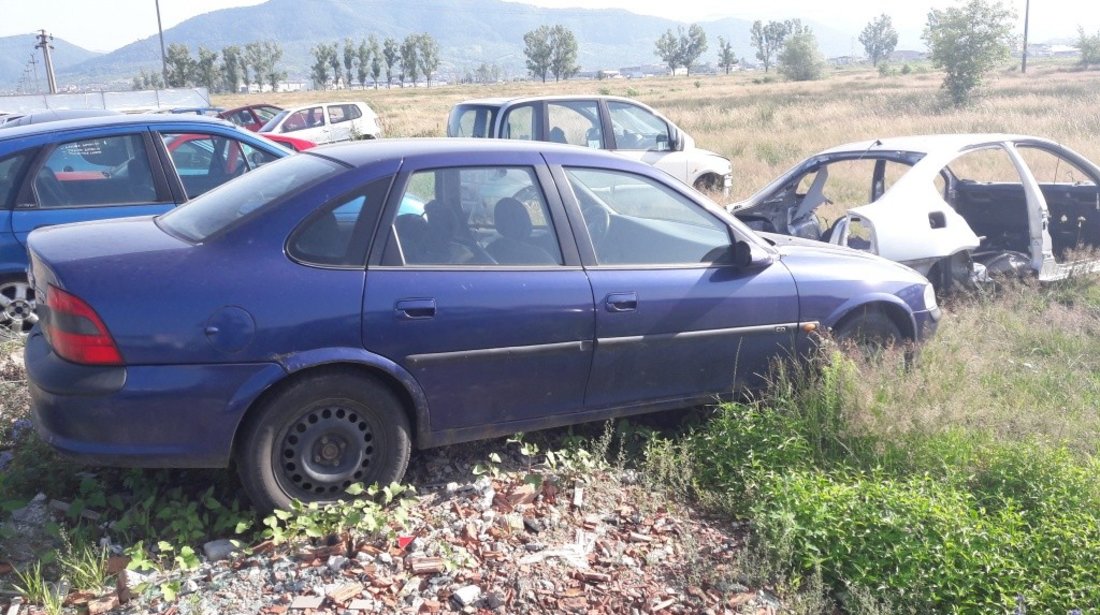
x=957, y=208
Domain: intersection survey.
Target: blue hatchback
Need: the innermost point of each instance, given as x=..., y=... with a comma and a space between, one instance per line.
x=111, y=166
x=321, y=316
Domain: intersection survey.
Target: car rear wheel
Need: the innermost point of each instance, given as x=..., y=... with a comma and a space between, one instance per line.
x=320, y=435
x=17, y=306
x=869, y=330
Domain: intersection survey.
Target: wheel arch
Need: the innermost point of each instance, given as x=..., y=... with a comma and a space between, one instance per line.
x=891, y=306
x=360, y=363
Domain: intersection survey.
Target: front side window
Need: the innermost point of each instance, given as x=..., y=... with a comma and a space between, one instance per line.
x=11, y=174
x=100, y=171
x=635, y=220
x=303, y=119
x=638, y=129
x=218, y=209
x=475, y=216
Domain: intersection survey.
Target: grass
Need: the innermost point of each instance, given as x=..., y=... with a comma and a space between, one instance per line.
x=963, y=483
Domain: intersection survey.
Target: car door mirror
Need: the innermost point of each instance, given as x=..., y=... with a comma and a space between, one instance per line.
x=675, y=140
x=747, y=256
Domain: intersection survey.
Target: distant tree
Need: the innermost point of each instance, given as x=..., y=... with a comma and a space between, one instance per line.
x=376, y=59
x=273, y=52
x=351, y=51
x=181, y=67
x=255, y=61
x=538, y=51
x=726, y=57
x=205, y=69
x=391, y=52
x=967, y=42
x=692, y=45
x=879, y=38
x=487, y=73
x=768, y=40
x=668, y=49
x=321, y=63
x=800, y=59
x=1089, y=46
x=148, y=81
x=362, y=62
x=334, y=62
x=410, y=59
x=428, y=51
x=563, y=53
x=231, y=67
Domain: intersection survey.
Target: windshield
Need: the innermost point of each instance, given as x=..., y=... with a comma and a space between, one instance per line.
x=472, y=121
x=274, y=121
x=249, y=193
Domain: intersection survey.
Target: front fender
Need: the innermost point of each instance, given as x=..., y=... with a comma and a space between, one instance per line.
x=296, y=362
x=876, y=299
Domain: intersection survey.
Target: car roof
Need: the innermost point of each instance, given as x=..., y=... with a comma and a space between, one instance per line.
x=151, y=119
x=931, y=143
x=359, y=153
x=323, y=102
x=502, y=101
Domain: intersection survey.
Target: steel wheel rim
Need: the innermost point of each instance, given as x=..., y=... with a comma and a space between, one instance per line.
x=17, y=305
x=325, y=450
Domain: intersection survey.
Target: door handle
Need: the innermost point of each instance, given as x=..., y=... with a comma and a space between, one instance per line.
x=415, y=309
x=621, y=302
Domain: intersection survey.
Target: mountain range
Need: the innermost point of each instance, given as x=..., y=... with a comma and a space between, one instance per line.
x=469, y=33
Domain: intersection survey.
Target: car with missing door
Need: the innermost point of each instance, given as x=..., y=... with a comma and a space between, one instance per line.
x=958, y=208
x=112, y=166
x=316, y=319
x=620, y=125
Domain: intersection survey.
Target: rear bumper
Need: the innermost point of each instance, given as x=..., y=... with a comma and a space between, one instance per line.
x=143, y=416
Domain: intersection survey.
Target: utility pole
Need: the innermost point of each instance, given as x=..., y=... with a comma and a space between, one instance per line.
x=44, y=44
x=1027, y=10
x=34, y=66
x=163, y=62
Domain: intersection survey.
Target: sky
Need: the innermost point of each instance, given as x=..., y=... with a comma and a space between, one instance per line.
x=105, y=25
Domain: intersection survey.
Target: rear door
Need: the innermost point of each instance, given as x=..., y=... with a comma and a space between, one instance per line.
x=93, y=175
x=676, y=321
x=491, y=339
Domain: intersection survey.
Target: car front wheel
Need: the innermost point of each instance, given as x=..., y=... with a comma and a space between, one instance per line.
x=319, y=436
x=869, y=330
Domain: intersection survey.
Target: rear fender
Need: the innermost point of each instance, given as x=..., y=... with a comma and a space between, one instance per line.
x=293, y=363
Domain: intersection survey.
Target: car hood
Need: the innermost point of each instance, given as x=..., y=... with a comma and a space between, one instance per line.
x=798, y=250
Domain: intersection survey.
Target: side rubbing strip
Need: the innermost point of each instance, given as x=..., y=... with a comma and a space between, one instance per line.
x=511, y=351
x=778, y=328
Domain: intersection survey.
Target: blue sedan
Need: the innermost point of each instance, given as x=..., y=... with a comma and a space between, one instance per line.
x=309, y=323
x=106, y=166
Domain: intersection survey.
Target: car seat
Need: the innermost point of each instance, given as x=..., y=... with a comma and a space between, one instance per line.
x=512, y=247
x=557, y=135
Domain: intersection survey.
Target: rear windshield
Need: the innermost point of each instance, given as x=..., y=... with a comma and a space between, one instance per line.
x=249, y=193
x=472, y=121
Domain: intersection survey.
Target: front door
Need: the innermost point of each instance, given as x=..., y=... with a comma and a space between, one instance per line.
x=476, y=297
x=675, y=320
x=640, y=135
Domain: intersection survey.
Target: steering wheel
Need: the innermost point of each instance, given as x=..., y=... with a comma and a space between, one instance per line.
x=598, y=221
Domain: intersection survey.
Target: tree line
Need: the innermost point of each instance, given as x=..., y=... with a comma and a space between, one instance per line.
x=414, y=57
x=256, y=63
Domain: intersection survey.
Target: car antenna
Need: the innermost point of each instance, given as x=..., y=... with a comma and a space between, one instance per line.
x=875, y=143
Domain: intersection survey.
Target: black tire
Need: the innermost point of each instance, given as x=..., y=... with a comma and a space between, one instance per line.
x=320, y=435
x=708, y=183
x=868, y=330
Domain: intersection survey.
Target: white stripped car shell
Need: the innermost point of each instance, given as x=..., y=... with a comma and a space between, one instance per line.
x=913, y=223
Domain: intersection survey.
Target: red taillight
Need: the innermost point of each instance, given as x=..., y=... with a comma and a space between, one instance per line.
x=76, y=332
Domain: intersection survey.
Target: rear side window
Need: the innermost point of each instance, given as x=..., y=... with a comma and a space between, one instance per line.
x=101, y=171
x=221, y=207
x=11, y=172
x=339, y=233
x=472, y=121
x=343, y=113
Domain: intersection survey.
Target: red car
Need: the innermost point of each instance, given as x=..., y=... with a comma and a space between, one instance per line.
x=251, y=116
